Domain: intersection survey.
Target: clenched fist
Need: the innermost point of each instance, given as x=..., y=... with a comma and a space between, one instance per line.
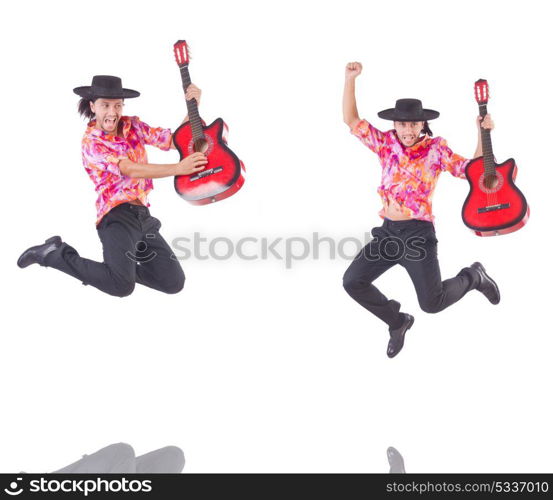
x=353, y=69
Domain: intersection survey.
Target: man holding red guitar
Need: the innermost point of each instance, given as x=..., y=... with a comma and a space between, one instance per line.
x=412, y=161
x=114, y=156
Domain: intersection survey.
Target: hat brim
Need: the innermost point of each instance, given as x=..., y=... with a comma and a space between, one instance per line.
x=393, y=114
x=86, y=92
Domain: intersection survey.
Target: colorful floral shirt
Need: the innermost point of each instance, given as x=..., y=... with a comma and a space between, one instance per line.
x=102, y=152
x=409, y=174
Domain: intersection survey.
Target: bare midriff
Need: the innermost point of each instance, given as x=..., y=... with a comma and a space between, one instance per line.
x=136, y=201
x=394, y=211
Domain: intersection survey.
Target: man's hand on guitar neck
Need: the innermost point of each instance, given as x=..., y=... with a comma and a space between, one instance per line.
x=192, y=92
x=485, y=123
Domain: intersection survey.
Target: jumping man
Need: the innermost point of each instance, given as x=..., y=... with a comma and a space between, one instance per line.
x=412, y=161
x=114, y=156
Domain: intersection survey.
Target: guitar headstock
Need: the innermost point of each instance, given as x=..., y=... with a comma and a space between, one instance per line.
x=481, y=91
x=181, y=53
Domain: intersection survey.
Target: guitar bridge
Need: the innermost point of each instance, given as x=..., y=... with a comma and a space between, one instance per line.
x=493, y=208
x=205, y=173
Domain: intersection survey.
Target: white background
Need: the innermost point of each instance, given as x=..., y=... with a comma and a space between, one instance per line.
x=254, y=367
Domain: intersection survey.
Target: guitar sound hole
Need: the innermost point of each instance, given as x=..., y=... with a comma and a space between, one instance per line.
x=491, y=181
x=200, y=146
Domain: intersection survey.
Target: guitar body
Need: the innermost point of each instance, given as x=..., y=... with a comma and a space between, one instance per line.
x=223, y=174
x=494, y=204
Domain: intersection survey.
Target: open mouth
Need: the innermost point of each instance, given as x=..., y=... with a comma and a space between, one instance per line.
x=110, y=122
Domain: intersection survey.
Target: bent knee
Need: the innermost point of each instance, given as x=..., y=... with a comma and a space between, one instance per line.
x=352, y=283
x=123, y=288
x=430, y=306
x=348, y=284
x=175, y=287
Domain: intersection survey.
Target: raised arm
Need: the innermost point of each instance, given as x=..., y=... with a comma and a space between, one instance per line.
x=349, y=104
x=487, y=122
x=192, y=92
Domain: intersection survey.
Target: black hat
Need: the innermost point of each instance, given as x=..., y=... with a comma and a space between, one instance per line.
x=408, y=110
x=106, y=86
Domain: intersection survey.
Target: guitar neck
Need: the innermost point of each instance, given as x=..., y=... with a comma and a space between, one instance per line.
x=192, y=106
x=487, y=151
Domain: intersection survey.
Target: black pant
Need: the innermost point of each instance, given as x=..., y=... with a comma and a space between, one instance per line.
x=413, y=245
x=134, y=252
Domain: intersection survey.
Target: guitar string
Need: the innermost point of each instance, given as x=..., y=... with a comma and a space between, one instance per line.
x=489, y=163
x=193, y=112
x=490, y=173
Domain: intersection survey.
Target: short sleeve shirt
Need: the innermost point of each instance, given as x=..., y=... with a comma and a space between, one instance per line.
x=101, y=155
x=410, y=174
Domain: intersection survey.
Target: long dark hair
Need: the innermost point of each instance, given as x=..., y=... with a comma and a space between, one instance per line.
x=426, y=129
x=84, y=108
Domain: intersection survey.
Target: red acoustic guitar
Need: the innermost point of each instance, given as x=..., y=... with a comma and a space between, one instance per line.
x=224, y=173
x=494, y=204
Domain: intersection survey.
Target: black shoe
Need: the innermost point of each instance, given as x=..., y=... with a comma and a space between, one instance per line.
x=397, y=336
x=37, y=254
x=486, y=285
